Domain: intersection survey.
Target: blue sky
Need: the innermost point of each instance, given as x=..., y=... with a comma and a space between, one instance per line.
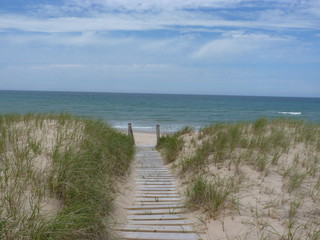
x=228, y=47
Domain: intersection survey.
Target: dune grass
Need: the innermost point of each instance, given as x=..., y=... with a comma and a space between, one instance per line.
x=223, y=162
x=172, y=144
x=209, y=195
x=58, y=176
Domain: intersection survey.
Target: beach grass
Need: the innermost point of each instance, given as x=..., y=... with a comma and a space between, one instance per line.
x=260, y=166
x=172, y=144
x=59, y=175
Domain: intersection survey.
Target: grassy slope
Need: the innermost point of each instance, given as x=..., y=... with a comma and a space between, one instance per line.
x=278, y=158
x=80, y=162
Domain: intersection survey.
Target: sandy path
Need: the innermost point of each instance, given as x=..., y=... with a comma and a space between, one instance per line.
x=146, y=139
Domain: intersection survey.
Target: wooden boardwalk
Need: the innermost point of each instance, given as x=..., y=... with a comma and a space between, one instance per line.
x=157, y=212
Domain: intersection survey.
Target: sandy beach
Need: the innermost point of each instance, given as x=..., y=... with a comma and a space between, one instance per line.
x=145, y=138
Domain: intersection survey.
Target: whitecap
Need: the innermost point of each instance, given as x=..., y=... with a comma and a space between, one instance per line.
x=291, y=113
x=120, y=126
x=142, y=127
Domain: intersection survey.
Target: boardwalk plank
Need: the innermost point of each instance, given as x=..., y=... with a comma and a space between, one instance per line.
x=160, y=222
x=157, y=213
x=168, y=229
x=156, y=217
x=159, y=236
x=154, y=195
x=156, y=199
x=159, y=206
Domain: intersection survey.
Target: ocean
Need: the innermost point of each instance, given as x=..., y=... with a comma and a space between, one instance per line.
x=172, y=112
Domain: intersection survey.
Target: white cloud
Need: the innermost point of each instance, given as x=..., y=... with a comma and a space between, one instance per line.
x=133, y=67
x=65, y=39
x=171, y=5
x=146, y=21
x=109, y=67
x=223, y=48
x=142, y=6
x=45, y=66
x=137, y=15
x=235, y=43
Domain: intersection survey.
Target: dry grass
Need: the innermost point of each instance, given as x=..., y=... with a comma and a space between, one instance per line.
x=58, y=176
x=270, y=172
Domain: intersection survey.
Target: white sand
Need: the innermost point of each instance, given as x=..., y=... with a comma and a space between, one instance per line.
x=145, y=138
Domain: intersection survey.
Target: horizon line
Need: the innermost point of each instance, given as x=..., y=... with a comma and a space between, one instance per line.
x=152, y=93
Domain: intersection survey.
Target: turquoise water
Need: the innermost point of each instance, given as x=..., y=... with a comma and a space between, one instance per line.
x=172, y=112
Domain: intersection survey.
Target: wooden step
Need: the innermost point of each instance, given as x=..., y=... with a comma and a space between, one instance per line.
x=156, y=211
x=153, y=195
x=154, y=174
x=168, y=229
x=158, y=206
x=156, y=183
x=161, y=193
x=152, y=170
x=159, y=236
x=160, y=222
x=157, y=186
x=154, y=203
x=156, y=217
x=137, y=180
x=156, y=199
x=154, y=180
x=157, y=177
x=156, y=189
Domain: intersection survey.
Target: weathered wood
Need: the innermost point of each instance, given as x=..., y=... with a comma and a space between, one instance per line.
x=157, y=185
x=159, y=206
x=152, y=185
x=156, y=189
x=149, y=195
x=142, y=180
x=154, y=203
x=159, y=192
x=130, y=132
x=153, y=170
x=159, y=236
x=154, y=175
x=161, y=222
x=157, y=199
x=155, y=179
x=157, y=211
x=168, y=229
x=158, y=133
x=156, y=217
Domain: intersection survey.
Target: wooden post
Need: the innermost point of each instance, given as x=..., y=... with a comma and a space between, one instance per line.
x=130, y=132
x=158, y=133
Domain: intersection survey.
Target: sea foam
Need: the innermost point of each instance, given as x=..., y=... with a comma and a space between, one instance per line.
x=291, y=113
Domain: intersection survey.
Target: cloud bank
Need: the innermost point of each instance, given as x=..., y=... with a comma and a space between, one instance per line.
x=242, y=43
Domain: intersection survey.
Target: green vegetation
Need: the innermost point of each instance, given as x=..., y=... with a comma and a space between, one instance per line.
x=207, y=195
x=259, y=144
x=58, y=176
x=227, y=165
x=172, y=144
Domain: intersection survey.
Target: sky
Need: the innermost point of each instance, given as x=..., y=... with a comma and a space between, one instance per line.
x=219, y=47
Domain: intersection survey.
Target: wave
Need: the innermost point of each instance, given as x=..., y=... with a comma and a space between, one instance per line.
x=120, y=126
x=133, y=127
x=291, y=113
